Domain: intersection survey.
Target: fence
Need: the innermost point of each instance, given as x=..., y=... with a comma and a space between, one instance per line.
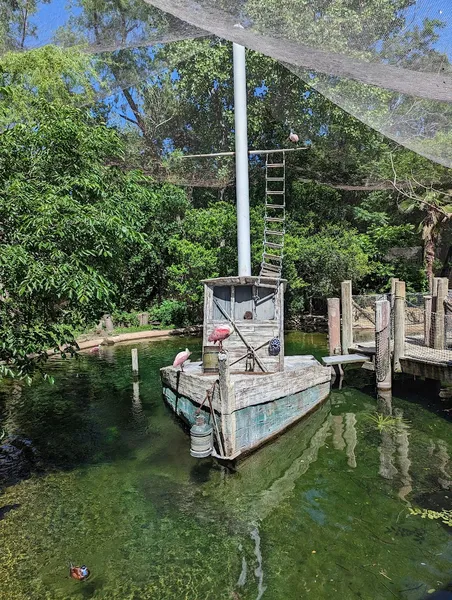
x=428, y=328
x=363, y=316
x=428, y=324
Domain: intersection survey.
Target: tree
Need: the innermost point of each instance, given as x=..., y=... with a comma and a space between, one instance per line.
x=66, y=221
x=315, y=264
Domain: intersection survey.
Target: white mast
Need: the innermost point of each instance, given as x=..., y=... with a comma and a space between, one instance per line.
x=241, y=162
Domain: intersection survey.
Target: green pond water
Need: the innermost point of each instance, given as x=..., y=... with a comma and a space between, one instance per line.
x=323, y=512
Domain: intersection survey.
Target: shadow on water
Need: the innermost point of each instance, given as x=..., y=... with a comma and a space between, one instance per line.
x=323, y=512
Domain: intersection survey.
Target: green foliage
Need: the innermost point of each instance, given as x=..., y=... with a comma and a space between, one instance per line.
x=171, y=312
x=122, y=318
x=385, y=422
x=316, y=264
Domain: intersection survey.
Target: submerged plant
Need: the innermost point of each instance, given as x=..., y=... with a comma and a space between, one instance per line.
x=424, y=513
x=386, y=422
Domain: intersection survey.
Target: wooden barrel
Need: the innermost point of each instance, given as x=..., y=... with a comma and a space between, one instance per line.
x=210, y=359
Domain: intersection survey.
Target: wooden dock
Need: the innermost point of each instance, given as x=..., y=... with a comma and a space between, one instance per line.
x=417, y=359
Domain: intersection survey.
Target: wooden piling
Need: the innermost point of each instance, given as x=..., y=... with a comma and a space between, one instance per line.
x=134, y=361
x=347, y=316
x=428, y=321
x=399, y=325
x=393, y=281
x=227, y=402
x=334, y=326
x=435, y=289
x=383, y=344
x=438, y=318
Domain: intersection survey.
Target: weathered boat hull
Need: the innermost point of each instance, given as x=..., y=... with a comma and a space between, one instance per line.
x=250, y=408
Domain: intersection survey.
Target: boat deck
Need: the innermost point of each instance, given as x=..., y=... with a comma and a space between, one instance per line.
x=291, y=363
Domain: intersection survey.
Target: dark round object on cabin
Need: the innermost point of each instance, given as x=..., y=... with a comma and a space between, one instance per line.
x=274, y=347
x=248, y=315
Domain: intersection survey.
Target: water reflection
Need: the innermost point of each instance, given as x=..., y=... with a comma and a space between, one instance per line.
x=443, y=458
x=351, y=439
x=338, y=430
x=320, y=512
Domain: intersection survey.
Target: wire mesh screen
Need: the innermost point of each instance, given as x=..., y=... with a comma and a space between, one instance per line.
x=363, y=311
x=386, y=63
x=414, y=317
x=428, y=334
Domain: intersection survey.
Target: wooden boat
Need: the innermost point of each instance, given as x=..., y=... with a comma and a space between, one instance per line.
x=256, y=394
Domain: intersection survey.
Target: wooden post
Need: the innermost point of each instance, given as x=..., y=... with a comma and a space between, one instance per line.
x=134, y=361
x=428, y=321
x=143, y=318
x=108, y=322
x=393, y=280
x=347, y=316
x=399, y=325
x=334, y=326
x=383, y=344
x=227, y=403
x=435, y=288
x=439, y=332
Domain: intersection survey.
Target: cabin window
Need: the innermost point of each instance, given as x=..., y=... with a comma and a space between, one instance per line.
x=244, y=303
x=265, y=305
x=222, y=296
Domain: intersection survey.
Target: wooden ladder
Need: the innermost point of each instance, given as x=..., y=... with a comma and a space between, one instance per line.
x=274, y=220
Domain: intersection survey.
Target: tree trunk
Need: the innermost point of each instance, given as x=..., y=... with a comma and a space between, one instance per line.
x=429, y=258
x=447, y=264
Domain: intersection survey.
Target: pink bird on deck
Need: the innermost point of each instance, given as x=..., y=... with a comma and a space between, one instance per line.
x=181, y=358
x=219, y=334
x=293, y=137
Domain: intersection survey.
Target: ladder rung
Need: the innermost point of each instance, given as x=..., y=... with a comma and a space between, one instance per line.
x=275, y=192
x=275, y=205
x=270, y=267
x=275, y=165
x=270, y=276
x=275, y=219
x=271, y=232
x=275, y=178
x=273, y=245
x=272, y=257
x=267, y=285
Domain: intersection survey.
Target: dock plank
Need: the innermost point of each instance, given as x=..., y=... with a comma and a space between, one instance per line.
x=344, y=359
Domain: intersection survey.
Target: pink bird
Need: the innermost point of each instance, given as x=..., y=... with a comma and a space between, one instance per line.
x=95, y=349
x=181, y=358
x=293, y=137
x=219, y=334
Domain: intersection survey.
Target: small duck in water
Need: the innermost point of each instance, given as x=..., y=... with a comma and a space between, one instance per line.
x=79, y=573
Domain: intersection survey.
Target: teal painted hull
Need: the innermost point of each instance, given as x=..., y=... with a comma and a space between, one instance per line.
x=252, y=426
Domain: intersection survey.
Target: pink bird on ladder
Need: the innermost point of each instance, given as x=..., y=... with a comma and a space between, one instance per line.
x=219, y=334
x=181, y=358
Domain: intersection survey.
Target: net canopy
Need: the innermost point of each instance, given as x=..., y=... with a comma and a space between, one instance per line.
x=386, y=62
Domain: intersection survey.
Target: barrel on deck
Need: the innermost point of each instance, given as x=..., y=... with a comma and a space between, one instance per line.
x=210, y=359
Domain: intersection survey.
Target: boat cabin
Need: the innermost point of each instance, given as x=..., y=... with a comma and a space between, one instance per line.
x=254, y=308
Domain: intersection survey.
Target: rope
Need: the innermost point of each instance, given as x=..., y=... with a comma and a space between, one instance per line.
x=363, y=312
